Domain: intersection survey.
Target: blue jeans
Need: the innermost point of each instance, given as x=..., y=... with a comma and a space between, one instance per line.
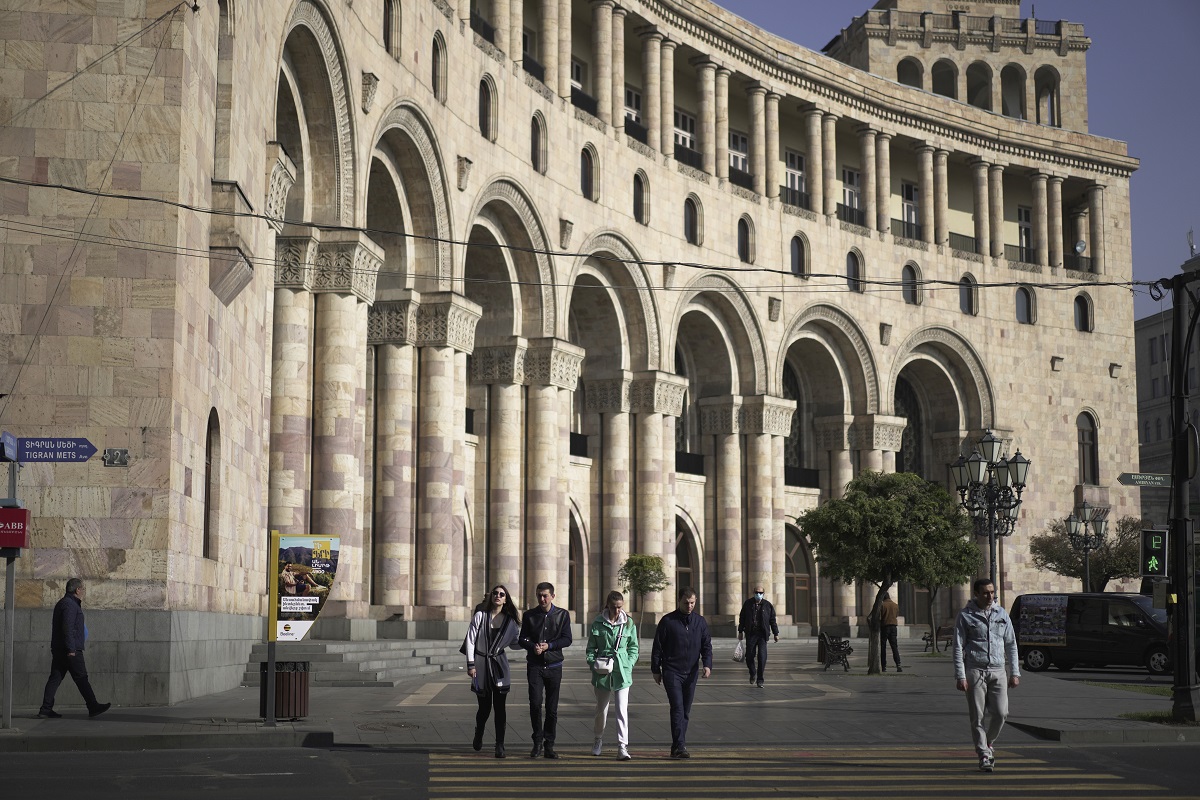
x=756, y=655
x=680, y=691
x=549, y=679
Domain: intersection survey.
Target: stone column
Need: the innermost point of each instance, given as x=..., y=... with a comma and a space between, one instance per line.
x=765, y=419
x=883, y=177
x=618, y=68
x=720, y=418
x=667, y=78
x=815, y=181
x=651, y=71
x=758, y=138
x=445, y=324
x=610, y=399
x=549, y=51
x=564, y=48
x=1054, y=211
x=996, y=204
x=722, y=103
x=829, y=162
x=291, y=382
x=832, y=438
x=925, y=190
x=870, y=195
x=344, y=280
x=1041, y=225
x=774, y=162
x=706, y=125
x=941, y=197
x=392, y=330
x=517, y=26
x=1095, y=196
x=979, y=170
x=602, y=55
x=502, y=20
x=1079, y=226
x=779, y=530
x=878, y=438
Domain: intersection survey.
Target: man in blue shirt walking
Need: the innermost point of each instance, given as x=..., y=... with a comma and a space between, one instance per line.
x=681, y=646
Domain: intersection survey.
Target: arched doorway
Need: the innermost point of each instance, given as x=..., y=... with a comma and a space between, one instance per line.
x=798, y=578
x=687, y=561
x=575, y=569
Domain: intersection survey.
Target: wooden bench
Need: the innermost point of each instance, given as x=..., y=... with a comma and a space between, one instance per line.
x=944, y=634
x=837, y=651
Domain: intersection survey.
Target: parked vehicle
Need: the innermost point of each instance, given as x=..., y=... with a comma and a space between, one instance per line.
x=1097, y=629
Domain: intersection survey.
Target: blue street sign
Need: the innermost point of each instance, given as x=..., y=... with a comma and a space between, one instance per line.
x=54, y=449
x=9, y=446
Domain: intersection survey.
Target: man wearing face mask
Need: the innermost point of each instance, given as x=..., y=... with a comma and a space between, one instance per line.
x=756, y=622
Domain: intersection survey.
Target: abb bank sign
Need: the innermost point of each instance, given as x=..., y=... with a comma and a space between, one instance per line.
x=14, y=527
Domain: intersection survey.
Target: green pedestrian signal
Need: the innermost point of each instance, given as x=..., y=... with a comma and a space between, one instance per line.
x=1154, y=554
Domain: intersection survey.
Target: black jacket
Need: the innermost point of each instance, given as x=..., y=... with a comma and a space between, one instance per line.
x=680, y=642
x=766, y=619
x=553, y=628
x=67, y=633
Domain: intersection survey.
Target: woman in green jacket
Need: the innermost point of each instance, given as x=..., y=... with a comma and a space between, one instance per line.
x=613, y=636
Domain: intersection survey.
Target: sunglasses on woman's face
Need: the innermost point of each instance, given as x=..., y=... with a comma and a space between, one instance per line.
x=498, y=594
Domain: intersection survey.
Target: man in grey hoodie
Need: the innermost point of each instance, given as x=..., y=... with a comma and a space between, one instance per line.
x=984, y=643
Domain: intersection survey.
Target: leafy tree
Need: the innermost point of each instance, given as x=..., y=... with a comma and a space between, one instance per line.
x=888, y=527
x=642, y=574
x=1115, y=559
x=951, y=560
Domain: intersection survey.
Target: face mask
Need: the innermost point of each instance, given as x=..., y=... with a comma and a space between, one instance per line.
x=758, y=595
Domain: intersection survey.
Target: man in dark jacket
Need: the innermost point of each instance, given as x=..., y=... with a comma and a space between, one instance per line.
x=68, y=635
x=681, y=643
x=757, y=621
x=545, y=631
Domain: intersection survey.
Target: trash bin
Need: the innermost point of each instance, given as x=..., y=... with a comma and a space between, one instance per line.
x=291, y=689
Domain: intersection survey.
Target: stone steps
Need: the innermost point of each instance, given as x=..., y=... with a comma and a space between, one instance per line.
x=382, y=662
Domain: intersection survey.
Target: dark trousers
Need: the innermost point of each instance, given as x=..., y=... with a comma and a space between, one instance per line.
x=487, y=701
x=681, y=688
x=756, y=655
x=60, y=666
x=548, y=679
x=888, y=636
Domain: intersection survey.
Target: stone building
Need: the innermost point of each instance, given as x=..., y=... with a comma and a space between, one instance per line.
x=503, y=291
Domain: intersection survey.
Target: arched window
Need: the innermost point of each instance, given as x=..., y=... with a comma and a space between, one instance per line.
x=437, y=76
x=1025, y=308
x=212, y=486
x=854, y=272
x=745, y=241
x=967, y=298
x=909, y=73
x=1045, y=85
x=1083, y=314
x=691, y=220
x=487, y=110
x=640, y=210
x=908, y=282
x=979, y=86
x=799, y=258
x=1089, y=454
x=537, y=143
x=587, y=173
x=1012, y=91
x=686, y=572
x=944, y=77
x=391, y=28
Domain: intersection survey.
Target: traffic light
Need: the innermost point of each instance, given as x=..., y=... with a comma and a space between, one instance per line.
x=1154, y=554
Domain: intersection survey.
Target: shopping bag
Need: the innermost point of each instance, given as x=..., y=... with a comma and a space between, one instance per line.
x=739, y=651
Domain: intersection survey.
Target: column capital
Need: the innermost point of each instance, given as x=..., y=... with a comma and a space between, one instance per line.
x=669, y=44
x=756, y=89
x=941, y=156
x=500, y=363
x=886, y=136
x=723, y=71
x=923, y=147
x=602, y=3
x=348, y=262
x=295, y=255
x=829, y=116
x=703, y=62
x=620, y=11
x=1038, y=175
x=766, y=414
x=650, y=33
x=608, y=395
x=996, y=169
x=720, y=415
x=1095, y=188
x=447, y=319
x=553, y=362
x=773, y=96
x=808, y=110
x=657, y=393
x=877, y=432
x=394, y=321
x=832, y=432
x=866, y=130
x=979, y=163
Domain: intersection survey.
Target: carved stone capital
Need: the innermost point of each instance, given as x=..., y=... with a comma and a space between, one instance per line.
x=446, y=319
x=370, y=82
x=565, y=228
x=347, y=262
x=502, y=363
x=295, y=255
x=658, y=393
x=393, y=321
x=553, y=362
x=607, y=396
x=721, y=415
x=464, y=172
x=281, y=176
x=833, y=432
x=765, y=414
x=878, y=432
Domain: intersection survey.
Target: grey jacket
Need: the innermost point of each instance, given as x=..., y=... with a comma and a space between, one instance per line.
x=984, y=639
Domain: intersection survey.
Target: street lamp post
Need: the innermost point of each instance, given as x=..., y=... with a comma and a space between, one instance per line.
x=1086, y=528
x=989, y=489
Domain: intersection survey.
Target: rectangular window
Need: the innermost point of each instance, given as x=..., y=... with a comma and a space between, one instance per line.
x=910, y=206
x=1153, y=350
x=739, y=151
x=851, y=188
x=1153, y=388
x=633, y=104
x=529, y=43
x=578, y=74
x=1146, y=431
x=685, y=130
x=795, y=170
x=1025, y=232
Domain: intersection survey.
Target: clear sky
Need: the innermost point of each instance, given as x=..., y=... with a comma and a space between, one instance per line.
x=1143, y=77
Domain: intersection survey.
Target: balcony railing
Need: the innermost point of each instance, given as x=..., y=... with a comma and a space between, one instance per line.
x=1077, y=262
x=483, y=27
x=795, y=197
x=1016, y=252
x=855, y=216
x=802, y=476
x=1047, y=27
x=533, y=67
x=579, y=444
x=961, y=242
x=906, y=230
x=689, y=463
x=584, y=101
x=637, y=130
x=739, y=178
x=686, y=155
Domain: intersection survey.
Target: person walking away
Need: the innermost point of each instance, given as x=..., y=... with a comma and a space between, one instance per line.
x=757, y=621
x=681, y=646
x=984, y=642
x=889, y=626
x=613, y=636
x=68, y=635
x=494, y=628
x=545, y=631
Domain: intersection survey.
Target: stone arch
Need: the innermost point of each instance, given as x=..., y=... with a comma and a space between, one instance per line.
x=910, y=72
x=635, y=292
x=726, y=302
x=954, y=356
x=840, y=334
x=323, y=75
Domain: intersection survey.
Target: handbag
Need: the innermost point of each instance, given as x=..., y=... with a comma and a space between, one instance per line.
x=605, y=665
x=739, y=651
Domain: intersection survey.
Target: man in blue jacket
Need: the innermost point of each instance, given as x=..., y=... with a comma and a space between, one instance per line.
x=681, y=644
x=68, y=635
x=545, y=631
x=984, y=643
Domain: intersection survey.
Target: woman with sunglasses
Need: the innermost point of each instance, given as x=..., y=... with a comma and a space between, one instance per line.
x=494, y=628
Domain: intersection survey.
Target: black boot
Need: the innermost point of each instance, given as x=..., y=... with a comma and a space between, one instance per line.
x=477, y=742
x=499, y=749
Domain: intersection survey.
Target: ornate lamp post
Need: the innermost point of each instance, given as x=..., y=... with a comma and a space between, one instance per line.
x=989, y=489
x=1086, y=528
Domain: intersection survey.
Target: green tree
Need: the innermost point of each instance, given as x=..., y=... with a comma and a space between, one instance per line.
x=1115, y=559
x=951, y=559
x=888, y=527
x=642, y=574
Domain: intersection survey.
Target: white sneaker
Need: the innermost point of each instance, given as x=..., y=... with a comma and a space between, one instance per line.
x=623, y=754
x=597, y=747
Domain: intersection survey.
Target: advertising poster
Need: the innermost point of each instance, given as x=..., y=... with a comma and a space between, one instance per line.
x=1043, y=619
x=303, y=569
